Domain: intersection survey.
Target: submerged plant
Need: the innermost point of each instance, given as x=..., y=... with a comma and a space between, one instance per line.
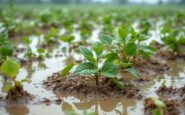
x=10, y=68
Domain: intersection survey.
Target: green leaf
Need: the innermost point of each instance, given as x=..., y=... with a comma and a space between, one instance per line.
x=156, y=112
x=6, y=49
x=98, y=48
x=110, y=57
x=133, y=72
x=87, y=53
x=158, y=103
x=146, y=51
x=181, y=40
x=10, y=68
x=118, y=83
x=125, y=65
x=86, y=68
x=105, y=39
x=7, y=86
x=67, y=39
x=109, y=69
x=24, y=80
x=40, y=50
x=130, y=49
x=3, y=37
x=122, y=32
x=27, y=40
x=66, y=70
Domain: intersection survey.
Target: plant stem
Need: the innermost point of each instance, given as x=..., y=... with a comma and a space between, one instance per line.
x=96, y=78
x=97, y=74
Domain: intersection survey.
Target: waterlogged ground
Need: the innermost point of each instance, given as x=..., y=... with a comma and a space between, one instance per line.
x=45, y=102
x=38, y=71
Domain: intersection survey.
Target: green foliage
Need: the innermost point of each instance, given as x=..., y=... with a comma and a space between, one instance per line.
x=174, y=42
x=133, y=72
x=29, y=53
x=10, y=68
x=163, y=84
x=6, y=48
x=68, y=39
x=160, y=106
x=41, y=53
x=91, y=66
x=66, y=70
x=126, y=46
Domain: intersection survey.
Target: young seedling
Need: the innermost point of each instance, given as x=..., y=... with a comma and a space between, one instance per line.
x=51, y=36
x=10, y=68
x=29, y=53
x=41, y=53
x=174, y=42
x=160, y=107
x=126, y=47
x=92, y=65
x=163, y=85
x=6, y=48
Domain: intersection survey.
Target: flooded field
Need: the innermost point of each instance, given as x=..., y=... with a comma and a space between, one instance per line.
x=59, y=37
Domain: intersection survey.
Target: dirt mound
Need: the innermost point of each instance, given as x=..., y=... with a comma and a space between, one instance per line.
x=17, y=97
x=85, y=86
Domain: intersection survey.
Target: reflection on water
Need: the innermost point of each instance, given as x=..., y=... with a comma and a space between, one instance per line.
x=17, y=110
x=108, y=106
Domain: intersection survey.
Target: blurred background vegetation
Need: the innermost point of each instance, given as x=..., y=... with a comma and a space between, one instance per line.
x=96, y=1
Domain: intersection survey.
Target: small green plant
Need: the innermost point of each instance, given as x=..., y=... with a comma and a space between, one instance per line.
x=51, y=36
x=29, y=53
x=163, y=85
x=10, y=68
x=92, y=65
x=174, y=42
x=126, y=47
x=6, y=48
x=160, y=107
x=41, y=53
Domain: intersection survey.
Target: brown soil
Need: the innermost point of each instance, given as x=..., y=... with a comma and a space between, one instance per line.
x=85, y=86
x=172, y=107
x=150, y=67
x=17, y=97
x=168, y=91
x=168, y=55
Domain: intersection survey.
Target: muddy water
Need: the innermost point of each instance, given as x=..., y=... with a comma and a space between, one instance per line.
x=36, y=72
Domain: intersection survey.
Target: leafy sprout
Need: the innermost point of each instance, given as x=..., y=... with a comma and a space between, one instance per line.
x=29, y=53
x=10, y=68
x=160, y=106
x=92, y=65
x=126, y=46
